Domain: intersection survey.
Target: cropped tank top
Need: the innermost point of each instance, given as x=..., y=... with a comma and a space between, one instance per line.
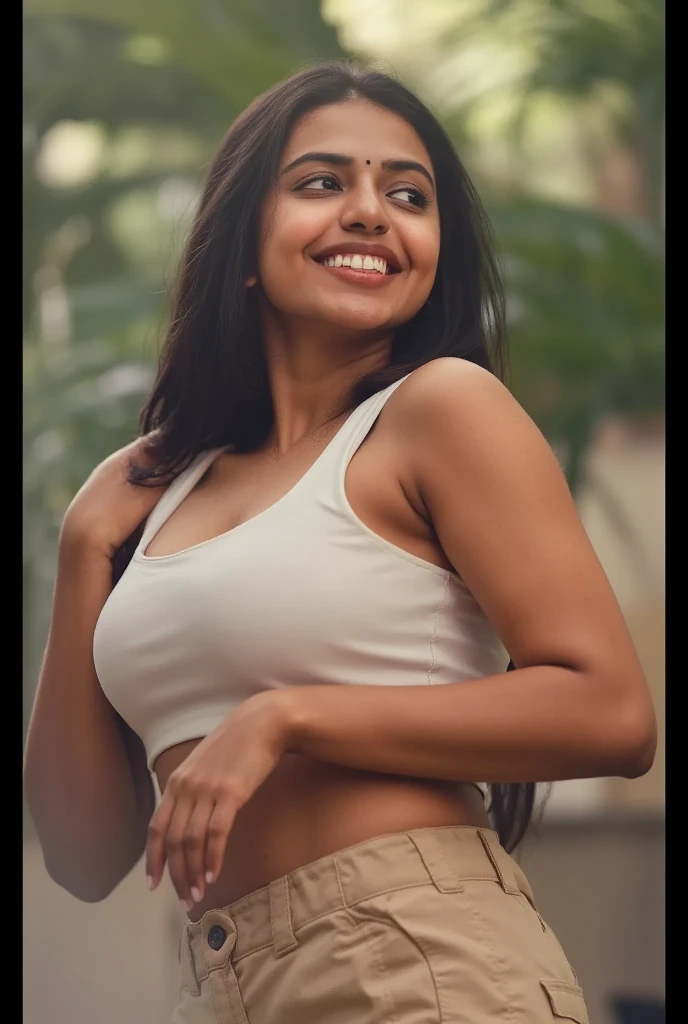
x=304, y=592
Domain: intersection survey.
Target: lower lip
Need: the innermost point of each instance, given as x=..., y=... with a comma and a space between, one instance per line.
x=365, y=278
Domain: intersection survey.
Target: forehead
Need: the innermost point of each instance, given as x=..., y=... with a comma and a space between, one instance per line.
x=356, y=128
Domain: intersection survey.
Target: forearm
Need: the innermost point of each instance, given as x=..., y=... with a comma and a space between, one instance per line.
x=541, y=723
x=78, y=778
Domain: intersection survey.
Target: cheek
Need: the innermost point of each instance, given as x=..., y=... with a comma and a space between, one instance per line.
x=422, y=243
x=288, y=229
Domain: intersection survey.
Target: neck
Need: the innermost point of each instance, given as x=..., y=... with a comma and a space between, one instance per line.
x=312, y=370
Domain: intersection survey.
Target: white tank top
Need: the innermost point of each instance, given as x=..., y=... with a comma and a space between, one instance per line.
x=301, y=593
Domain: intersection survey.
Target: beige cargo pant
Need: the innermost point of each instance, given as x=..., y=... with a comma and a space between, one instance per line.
x=434, y=925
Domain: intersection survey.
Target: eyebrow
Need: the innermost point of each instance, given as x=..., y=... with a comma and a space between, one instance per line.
x=339, y=160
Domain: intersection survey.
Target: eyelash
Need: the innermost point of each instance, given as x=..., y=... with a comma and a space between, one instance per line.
x=421, y=205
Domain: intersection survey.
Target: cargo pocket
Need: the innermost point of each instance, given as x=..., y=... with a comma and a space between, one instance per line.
x=566, y=1000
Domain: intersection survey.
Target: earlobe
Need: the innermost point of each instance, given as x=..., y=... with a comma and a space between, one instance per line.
x=251, y=281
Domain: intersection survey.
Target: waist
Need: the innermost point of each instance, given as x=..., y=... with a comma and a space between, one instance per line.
x=308, y=809
x=274, y=914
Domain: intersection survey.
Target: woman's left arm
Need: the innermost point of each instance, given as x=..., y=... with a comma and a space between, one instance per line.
x=577, y=705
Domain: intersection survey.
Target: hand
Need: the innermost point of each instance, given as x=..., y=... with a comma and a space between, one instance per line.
x=107, y=509
x=190, y=828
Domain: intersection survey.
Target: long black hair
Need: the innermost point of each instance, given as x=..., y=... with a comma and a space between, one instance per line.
x=212, y=388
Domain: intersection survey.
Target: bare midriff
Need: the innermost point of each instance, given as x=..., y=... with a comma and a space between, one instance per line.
x=307, y=809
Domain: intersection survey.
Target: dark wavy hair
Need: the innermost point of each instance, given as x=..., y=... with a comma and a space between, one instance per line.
x=212, y=388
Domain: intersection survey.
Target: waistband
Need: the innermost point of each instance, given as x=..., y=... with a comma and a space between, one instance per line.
x=271, y=917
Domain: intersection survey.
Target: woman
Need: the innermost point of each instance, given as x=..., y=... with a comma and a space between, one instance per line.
x=336, y=489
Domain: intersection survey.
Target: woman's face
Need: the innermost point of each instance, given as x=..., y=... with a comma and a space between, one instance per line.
x=350, y=235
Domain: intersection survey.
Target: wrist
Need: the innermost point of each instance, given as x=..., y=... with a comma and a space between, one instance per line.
x=289, y=707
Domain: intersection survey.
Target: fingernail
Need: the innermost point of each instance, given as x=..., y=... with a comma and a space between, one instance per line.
x=188, y=904
x=149, y=881
x=195, y=894
x=209, y=877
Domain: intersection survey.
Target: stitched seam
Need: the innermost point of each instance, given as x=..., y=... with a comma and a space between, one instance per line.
x=244, y=1018
x=370, y=896
x=249, y=952
x=498, y=961
x=376, y=958
x=345, y=906
x=292, y=938
x=561, y=986
x=456, y=885
x=288, y=903
x=334, y=910
x=393, y=923
x=433, y=638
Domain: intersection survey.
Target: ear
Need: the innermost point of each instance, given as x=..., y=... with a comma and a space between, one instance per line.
x=251, y=281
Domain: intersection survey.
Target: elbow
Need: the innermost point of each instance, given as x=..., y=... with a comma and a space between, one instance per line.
x=83, y=886
x=637, y=744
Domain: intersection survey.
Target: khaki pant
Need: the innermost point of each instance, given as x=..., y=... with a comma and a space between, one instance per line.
x=434, y=925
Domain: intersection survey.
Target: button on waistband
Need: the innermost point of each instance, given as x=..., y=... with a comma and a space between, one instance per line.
x=217, y=937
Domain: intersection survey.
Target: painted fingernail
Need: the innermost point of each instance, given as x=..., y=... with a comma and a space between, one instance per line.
x=209, y=877
x=195, y=894
x=188, y=904
x=149, y=881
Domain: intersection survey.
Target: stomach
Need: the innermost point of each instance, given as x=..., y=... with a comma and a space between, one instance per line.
x=307, y=809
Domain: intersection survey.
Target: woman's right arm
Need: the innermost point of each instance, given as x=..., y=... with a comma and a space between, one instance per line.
x=85, y=777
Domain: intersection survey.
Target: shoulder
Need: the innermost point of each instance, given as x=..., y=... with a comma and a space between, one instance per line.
x=452, y=393
x=453, y=413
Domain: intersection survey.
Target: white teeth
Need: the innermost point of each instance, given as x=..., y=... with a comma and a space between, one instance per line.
x=357, y=262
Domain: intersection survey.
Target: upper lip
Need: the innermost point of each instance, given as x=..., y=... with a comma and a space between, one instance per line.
x=362, y=248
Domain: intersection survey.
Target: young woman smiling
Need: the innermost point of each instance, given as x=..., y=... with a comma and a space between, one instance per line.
x=348, y=520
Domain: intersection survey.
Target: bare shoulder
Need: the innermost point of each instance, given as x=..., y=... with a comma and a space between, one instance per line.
x=455, y=406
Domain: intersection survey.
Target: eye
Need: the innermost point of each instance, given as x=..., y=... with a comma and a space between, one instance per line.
x=319, y=183
x=411, y=196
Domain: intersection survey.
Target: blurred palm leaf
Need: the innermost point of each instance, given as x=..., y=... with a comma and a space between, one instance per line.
x=237, y=49
x=585, y=299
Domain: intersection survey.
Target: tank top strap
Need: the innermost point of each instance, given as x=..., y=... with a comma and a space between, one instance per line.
x=327, y=473
x=362, y=425
x=175, y=494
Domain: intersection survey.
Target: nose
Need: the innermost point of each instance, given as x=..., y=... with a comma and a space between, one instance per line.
x=364, y=212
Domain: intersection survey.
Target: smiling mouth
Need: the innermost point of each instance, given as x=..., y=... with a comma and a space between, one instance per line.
x=363, y=264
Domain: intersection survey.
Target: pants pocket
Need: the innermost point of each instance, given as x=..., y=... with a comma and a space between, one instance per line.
x=567, y=1001
x=398, y=962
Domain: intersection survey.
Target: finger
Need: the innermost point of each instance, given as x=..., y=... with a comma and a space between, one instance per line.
x=219, y=827
x=176, y=853
x=156, y=853
x=195, y=839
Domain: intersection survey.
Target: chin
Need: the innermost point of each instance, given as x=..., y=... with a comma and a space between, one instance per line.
x=361, y=316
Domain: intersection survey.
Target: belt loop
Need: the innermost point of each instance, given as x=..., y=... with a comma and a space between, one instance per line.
x=432, y=853
x=501, y=861
x=188, y=977
x=283, y=938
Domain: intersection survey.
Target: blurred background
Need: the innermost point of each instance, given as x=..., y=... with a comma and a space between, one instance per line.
x=557, y=109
